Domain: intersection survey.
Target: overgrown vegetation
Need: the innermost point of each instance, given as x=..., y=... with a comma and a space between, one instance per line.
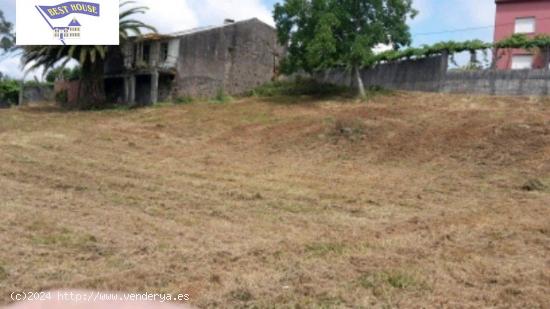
x=9, y=91
x=448, y=47
x=519, y=41
x=524, y=42
x=299, y=87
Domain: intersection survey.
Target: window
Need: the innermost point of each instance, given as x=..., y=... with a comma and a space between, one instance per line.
x=136, y=54
x=522, y=62
x=146, y=52
x=163, y=52
x=525, y=25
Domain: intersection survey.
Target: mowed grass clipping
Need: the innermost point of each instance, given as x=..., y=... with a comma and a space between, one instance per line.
x=408, y=200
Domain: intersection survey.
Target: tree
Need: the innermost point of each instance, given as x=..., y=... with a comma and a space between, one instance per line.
x=63, y=73
x=90, y=57
x=320, y=34
x=7, y=36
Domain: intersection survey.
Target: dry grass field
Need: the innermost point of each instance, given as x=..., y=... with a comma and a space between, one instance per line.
x=411, y=200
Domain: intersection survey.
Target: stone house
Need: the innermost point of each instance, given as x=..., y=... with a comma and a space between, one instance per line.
x=234, y=58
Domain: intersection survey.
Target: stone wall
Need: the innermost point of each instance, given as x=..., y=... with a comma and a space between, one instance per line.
x=432, y=75
x=72, y=88
x=235, y=58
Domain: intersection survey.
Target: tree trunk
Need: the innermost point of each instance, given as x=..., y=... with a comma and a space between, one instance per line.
x=360, y=85
x=91, y=93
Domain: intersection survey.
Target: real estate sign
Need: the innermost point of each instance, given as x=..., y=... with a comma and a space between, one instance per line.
x=55, y=22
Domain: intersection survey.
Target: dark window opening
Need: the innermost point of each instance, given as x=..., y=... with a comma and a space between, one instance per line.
x=146, y=52
x=163, y=52
x=135, y=54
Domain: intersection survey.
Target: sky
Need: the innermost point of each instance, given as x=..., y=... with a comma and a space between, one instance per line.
x=177, y=15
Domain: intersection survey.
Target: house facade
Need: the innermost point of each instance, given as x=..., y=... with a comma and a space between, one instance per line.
x=234, y=58
x=530, y=17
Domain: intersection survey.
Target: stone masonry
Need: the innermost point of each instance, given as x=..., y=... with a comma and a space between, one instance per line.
x=233, y=58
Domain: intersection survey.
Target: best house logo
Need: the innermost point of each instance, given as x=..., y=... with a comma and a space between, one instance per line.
x=47, y=22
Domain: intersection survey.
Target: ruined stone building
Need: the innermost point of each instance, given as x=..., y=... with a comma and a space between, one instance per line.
x=234, y=58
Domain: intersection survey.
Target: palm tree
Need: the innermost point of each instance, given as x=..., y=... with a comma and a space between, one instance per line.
x=90, y=57
x=7, y=36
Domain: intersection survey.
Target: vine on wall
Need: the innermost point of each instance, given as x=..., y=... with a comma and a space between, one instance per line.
x=519, y=41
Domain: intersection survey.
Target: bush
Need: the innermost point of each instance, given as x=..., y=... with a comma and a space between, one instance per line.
x=62, y=97
x=9, y=91
x=299, y=87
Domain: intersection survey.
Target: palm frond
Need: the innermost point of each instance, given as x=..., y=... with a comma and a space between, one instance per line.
x=49, y=56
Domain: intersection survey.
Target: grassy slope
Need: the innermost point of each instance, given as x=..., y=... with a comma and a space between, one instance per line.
x=412, y=199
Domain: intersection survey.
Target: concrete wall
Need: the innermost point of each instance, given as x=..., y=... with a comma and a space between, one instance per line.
x=431, y=75
x=523, y=82
x=414, y=75
x=235, y=58
x=37, y=94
